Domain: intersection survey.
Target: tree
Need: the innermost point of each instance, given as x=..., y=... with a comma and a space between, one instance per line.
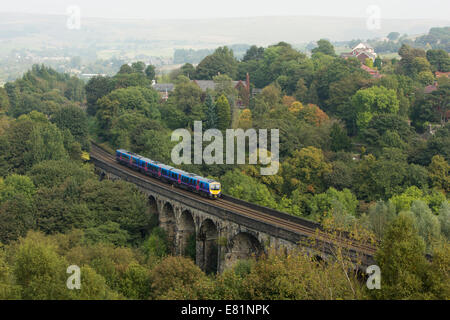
x=244, y=187
x=224, y=85
x=444, y=218
x=378, y=63
x=412, y=60
x=179, y=278
x=253, y=53
x=439, y=60
x=188, y=70
x=223, y=113
x=339, y=139
x=156, y=245
x=369, y=62
x=439, y=173
x=46, y=142
x=293, y=276
x=125, y=69
x=17, y=216
x=4, y=101
x=401, y=258
x=53, y=173
x=119, y=202
x=74, y=119
x=392, y=36
x=306, y=170
x=8, y=290
x=324, y=46
x=96, y=88
x=245, y=119
x=39, y=270
x=138, y=66
x=221, y=61
x=427, y=223
x=16, y=184
x=211, y=115
x=187, y=95
x=150, y=72
x=381, y=214
x=373, y=101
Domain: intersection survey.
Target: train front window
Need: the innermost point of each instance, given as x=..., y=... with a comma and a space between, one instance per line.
x=215, y=186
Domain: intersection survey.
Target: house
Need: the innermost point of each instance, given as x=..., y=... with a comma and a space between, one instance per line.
x=361, y=52
x=373, y=72
x=163, y=89
x=431, y=88
x=243, y=88
x=442, y=74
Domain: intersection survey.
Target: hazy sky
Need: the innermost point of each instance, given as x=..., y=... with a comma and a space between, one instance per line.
x=188, y=9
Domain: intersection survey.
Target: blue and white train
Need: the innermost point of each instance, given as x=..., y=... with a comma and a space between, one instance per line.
x=176, y=177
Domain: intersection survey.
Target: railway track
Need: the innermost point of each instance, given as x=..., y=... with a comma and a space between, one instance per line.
x=100, y=154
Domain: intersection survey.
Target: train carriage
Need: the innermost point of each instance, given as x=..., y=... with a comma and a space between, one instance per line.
x=174, y=176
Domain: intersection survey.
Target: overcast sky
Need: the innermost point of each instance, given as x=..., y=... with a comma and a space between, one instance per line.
x=190, y=9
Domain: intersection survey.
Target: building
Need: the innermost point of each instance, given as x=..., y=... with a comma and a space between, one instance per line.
x=242, y=87
x=442, y=74
x=361, y=52
x=163, y=89
x=373, y=72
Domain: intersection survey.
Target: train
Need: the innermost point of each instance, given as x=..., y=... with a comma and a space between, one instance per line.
x=178, y=178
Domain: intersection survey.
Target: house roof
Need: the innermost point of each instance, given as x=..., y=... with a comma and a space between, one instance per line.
x=362, y=45
x=430, y=88
x=442, y=74
x=163, y=87
x=210, y=84
x=374, y=73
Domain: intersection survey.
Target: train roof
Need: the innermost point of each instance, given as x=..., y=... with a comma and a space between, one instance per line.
x=130, y=153
x=167, y=167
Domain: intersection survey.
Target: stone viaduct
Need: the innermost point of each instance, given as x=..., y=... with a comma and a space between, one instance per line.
x=219, y=236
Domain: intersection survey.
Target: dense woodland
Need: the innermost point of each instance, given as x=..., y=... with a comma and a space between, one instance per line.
x=356, y=154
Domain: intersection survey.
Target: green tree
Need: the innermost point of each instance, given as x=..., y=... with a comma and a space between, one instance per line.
x=339, y=138
x=4, y=101
x=39, y=270
x=401, y=258
x=439, y=60
x=138, y=66
x=150, y=72
x=221, y=61
x=223, y=113
x=373, y=101
x=306, y=170
x=439, y=173
x=392, y=36
x=180, y=278
x=211, y=115
x=96, y=88
x=74, y=119
x=380, y=216
x=324, y=46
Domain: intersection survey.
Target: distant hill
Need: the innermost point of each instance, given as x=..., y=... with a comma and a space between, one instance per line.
x=51, y=30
